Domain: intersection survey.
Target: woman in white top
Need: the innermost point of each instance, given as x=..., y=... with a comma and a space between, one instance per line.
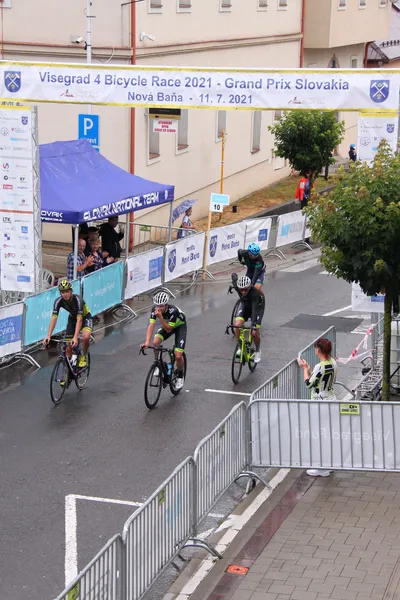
x=187, y=224
x=321, y=381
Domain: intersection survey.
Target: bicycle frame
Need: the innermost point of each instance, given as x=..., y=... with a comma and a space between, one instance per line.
x=245, y=338
x=72, y=368
x=159, y=359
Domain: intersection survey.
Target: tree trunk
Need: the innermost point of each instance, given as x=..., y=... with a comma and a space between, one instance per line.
x=387, y=335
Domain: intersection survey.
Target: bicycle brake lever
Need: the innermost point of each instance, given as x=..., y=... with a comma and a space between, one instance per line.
x=227, y=330
x=141, y=351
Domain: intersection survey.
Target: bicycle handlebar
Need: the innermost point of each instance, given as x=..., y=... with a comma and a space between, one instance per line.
x=228, y=327
x=159, y=349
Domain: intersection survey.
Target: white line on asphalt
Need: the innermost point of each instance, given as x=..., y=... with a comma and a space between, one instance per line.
x=228, y=392
x=308, y=264
x=335, y=312
x=107, y=500
x=71, y=548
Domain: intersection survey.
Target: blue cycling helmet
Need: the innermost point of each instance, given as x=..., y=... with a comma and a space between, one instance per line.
x=352, y=145
x=254, y=249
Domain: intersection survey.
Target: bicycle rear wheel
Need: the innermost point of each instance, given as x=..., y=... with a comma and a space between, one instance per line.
x=174, y=377
x=59, y=381
x=153, y=385
x=252, y=351
x=82, y=375
x=237, y=363
x=234, y=312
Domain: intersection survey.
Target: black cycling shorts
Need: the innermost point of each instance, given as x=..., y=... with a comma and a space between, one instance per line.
x=87, y=325
x=244, y=313
x=180, y=336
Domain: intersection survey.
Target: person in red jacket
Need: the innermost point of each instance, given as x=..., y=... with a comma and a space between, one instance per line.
x=303, y=192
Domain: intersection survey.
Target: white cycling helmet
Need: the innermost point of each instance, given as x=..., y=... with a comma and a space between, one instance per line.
x=244, y=282
x=161, y=299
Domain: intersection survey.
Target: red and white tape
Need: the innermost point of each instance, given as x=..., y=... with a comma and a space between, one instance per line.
x=355, y=355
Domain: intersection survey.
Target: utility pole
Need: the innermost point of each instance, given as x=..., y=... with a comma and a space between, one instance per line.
x=89, y=40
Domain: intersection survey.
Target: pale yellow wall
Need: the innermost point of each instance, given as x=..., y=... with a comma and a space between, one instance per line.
x=327, y=26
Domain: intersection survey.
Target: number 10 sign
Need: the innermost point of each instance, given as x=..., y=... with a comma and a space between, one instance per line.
x=218, y=201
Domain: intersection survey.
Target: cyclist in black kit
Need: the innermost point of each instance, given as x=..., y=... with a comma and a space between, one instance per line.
x=79, y=319
x=254, y=262
x=252, y=305
x=172, y=320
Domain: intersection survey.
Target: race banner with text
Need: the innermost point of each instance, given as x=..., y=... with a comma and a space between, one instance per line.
x=290, y=228
x=224, y=242
x=372, y=129
x=144, y=272
x=11, y=321
x=258, y=231
x=184, y=256
x=203, y=87
x=103, y=288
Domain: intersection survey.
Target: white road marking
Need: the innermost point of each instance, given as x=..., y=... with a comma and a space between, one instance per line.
x=228, y=392
x=338, y=310
x=308, y=264
x=71, y=528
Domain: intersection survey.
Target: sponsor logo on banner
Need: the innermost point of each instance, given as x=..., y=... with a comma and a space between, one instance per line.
x=24, y=120
x=262, y=235
x=24, y=228
x=172, y=261
x=12, y=81
x=51, y=215
x=6, y=166
x=390, y=128
x=379, y=90
x=213, y=245
x=24, y=278
x=155, y=268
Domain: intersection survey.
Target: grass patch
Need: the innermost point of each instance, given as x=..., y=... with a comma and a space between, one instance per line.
x=272, y=195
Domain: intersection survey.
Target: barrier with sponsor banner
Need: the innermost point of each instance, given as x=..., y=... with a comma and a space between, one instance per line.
x=103, y=288
x=290, y=228
x=225, y=242
x=258, y=231
x=38, y=312
x=11, y=328
x=184, y=256
x=144, y=272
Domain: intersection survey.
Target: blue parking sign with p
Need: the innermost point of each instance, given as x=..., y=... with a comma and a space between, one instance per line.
x=88, y=129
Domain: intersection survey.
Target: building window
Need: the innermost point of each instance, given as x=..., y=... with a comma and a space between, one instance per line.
x=262, y=4
x=362, y=3
x=334, y=63
x=5, y=3
x=277, y=114
x=278, y=162
x=342, y=4
x=183, y=6
x=225, y=5
x=256, y=132
x=354, y=62
x=383, y=4
x=154, y=141
x=182, y=138
x=154, y=6
x=282, y=4
x=221, y=123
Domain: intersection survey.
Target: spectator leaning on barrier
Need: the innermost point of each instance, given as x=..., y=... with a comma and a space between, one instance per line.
x=321, y=382
x=110, y=239
x=98, y=259
x=84, y=262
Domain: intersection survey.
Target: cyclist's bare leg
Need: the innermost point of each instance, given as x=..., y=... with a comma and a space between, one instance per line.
x=180, y=365
x=157, y=341
x=257, y=338
x=85, y=340
x=238, y=323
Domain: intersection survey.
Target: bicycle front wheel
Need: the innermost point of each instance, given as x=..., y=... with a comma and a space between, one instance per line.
x=174, y=377
x=252, y=351
x=82, y=375
x=237, y=363
x=234, y=313
x=58, y=380
x=153, y=385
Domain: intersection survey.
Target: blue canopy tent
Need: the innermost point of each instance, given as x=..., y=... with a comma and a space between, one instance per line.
x=78, y=184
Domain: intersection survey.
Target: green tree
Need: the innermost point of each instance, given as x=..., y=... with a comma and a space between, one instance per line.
x=358, y=225
x=307, y=139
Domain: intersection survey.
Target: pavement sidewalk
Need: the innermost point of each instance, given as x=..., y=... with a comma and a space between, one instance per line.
x=315, y=538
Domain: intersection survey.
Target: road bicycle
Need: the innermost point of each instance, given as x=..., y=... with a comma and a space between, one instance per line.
x=244, y=352
x=66, y=370
x=161, y=374
x=236, y=307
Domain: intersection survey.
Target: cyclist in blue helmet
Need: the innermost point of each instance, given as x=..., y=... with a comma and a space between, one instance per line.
x=254, y=262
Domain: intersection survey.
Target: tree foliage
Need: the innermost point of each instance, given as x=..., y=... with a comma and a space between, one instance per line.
x=307, y=138
x=358, y=226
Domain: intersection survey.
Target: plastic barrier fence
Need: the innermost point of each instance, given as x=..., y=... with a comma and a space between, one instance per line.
x=103, y=288
x=144, y=272
x=11, y=328
x=184, y=256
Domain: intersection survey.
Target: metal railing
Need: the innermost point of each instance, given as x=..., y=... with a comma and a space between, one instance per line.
x=219, y=458
x=147, y=237
x=158, y=530
x=283, y=383
x=102, y=578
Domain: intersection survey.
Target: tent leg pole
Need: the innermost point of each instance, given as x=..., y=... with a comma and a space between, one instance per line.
x=128, y=218
x=170, y=222
x=76, y=236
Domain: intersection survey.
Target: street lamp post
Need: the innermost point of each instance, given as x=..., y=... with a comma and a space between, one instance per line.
x=89, y=40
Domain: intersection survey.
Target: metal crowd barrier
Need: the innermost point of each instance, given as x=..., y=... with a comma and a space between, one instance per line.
x=103, y=576
x=283, y=383
x=147, y=237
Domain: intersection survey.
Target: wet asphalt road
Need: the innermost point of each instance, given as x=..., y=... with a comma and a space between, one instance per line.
x=103, y=442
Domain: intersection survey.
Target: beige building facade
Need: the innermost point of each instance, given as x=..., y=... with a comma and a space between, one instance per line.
x=192, y=33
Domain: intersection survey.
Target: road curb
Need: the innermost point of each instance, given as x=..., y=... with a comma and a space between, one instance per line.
x=240, y=521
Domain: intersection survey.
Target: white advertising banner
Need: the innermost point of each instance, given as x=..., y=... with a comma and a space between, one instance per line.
x=144, y=272
x=224, y=242
x=360, y=302
x=202, y=87
x=17, y=245
x=11, y=325
x=323, y=434
x=290, y=228
x=184, y=256
x=258, y=231
x=372, y=129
